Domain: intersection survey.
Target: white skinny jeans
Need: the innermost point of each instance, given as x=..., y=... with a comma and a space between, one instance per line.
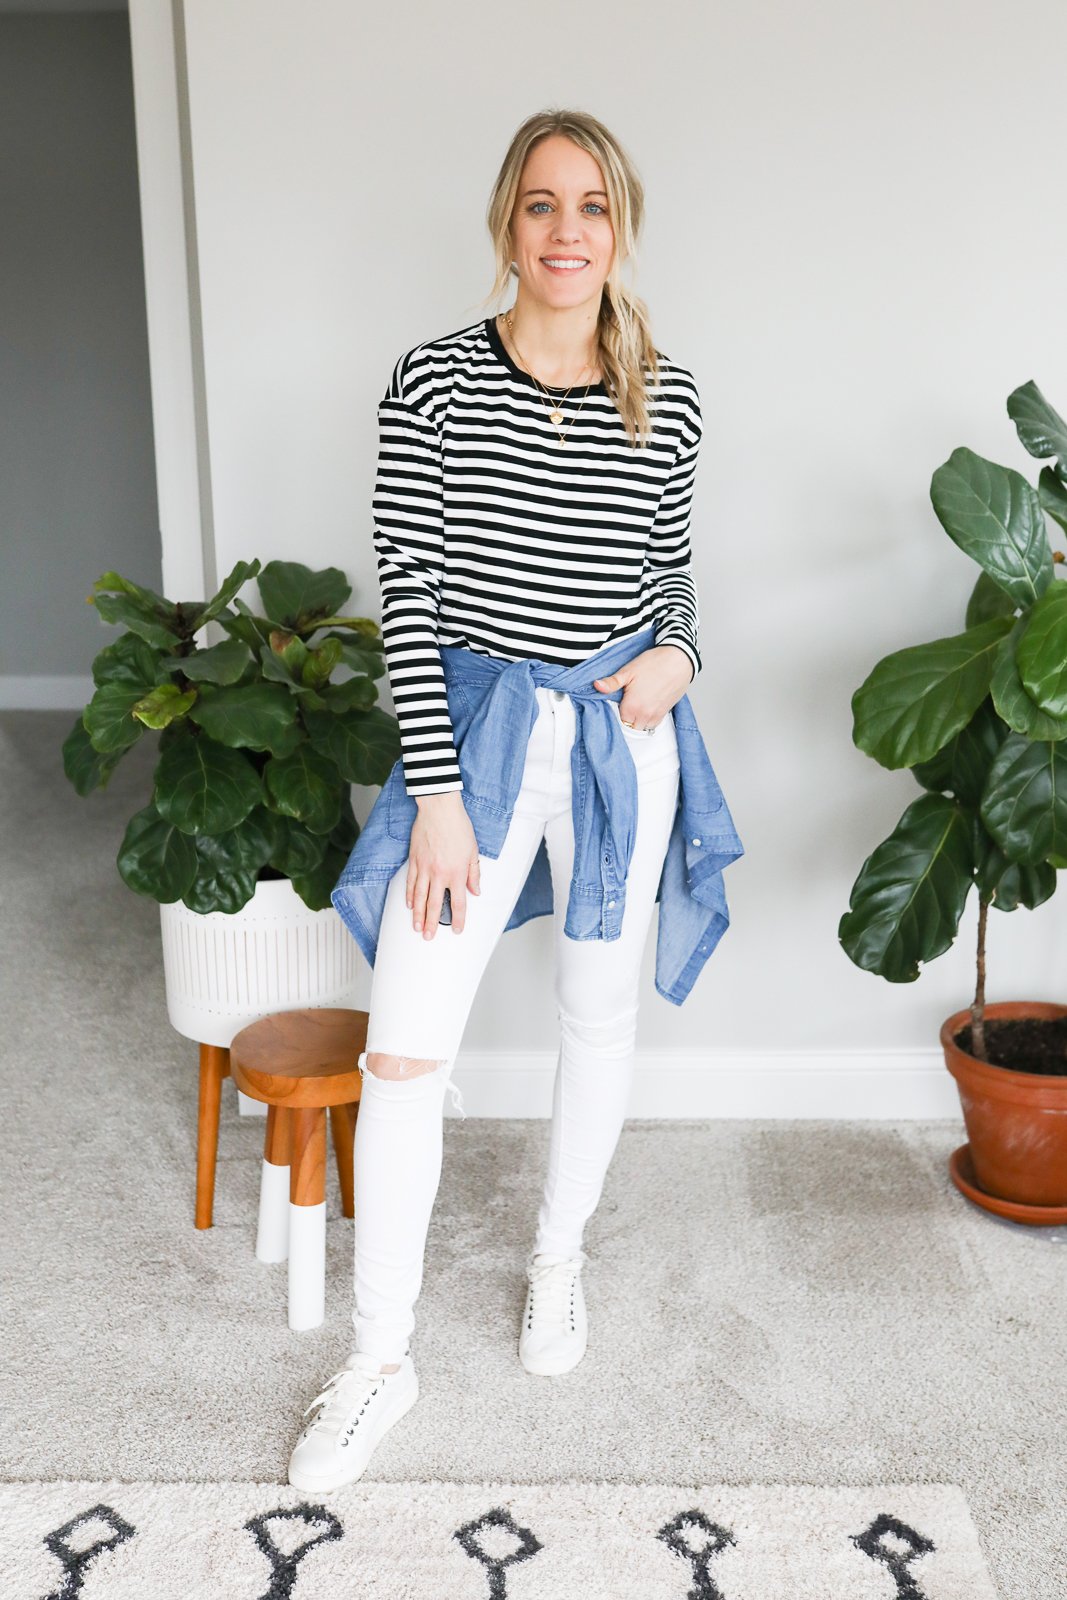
x=421, y=995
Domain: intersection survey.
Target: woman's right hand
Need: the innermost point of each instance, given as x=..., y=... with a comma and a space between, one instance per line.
x=443, y=854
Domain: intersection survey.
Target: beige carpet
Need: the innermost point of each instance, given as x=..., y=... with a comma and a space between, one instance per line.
x=411, y=1541
x=770, y=1303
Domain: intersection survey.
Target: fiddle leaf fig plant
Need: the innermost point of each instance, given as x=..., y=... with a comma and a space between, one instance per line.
x=979, y=717
x=258, y=744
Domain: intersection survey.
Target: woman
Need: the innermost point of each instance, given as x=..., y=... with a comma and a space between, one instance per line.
x=531, y=517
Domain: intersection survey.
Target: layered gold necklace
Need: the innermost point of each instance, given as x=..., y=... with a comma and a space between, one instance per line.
x=555, y=414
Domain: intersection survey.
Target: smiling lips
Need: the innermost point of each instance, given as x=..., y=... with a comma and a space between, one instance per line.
x=564, y=263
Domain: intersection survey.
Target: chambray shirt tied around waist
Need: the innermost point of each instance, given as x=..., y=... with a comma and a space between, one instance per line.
x=493, y=708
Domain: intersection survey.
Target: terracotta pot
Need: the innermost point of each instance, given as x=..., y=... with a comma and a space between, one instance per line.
x=1016, y=1121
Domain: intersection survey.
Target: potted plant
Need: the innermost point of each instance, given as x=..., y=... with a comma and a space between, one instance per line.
x=250, y=819
x=980, y=718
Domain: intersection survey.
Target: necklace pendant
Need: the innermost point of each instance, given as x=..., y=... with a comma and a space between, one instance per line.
x=563, y=439
x=557, y=415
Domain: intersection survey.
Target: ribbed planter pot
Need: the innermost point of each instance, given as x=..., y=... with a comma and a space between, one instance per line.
x=223, y=970
x=1016, y=1125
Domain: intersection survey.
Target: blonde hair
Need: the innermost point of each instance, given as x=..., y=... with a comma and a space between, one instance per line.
x=626, y=354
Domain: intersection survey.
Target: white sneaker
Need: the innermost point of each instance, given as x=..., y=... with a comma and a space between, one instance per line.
x=554, y=1327
x=356, y=1408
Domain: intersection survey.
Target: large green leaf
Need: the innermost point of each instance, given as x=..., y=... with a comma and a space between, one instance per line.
x=1041, y=651
x=228, y=865
x=314, y=887
x=368, y=631
x=217, y=604
x=987, y=600
x=914, y=700
x=1052, y=495
x=85, y=766
x=130, y=660
x=296, y=596
x=296, y=850
x=143, y=611
x=119, y=608
x=218, y=663
x=1024, y=806
x=995, y=516
x=244, y=627
x=1011, y=699
x=151, y=603
x=249, y=716
x=1009, y=884
x=962, y=765
x=306, y=785
x=364, y=745
x=203, y=787
x=1040, y=428
x=109, y=718
x=355, y=694
x=365, y=658
x=155, y=857
x=346, y=832
x=909, y=896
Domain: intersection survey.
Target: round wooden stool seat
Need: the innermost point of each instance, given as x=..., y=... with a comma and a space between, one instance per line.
x=301, y=1058
x=302, y=1064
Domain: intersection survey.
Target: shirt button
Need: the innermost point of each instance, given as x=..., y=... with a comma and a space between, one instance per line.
x=696, y=841
x=611, y=902
x=557, y=694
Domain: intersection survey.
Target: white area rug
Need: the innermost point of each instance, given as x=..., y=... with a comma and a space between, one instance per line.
x=488, y=1541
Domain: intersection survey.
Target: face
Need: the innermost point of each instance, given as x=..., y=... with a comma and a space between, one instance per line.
x=561, y=212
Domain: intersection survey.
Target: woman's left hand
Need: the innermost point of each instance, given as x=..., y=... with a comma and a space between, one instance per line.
x=652, y=683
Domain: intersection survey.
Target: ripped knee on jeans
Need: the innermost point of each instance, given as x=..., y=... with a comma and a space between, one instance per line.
x=389, y=1066
x=401, y=1069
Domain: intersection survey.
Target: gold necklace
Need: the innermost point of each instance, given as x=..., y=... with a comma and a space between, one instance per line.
x=555, y=415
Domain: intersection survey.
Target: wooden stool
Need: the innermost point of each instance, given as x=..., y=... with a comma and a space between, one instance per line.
x=301, y=1064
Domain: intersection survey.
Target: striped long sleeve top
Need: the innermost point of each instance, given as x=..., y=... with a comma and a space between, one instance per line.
x=491, y=536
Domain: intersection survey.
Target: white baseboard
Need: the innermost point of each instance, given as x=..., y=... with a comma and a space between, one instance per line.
x=61, y=692
x=787, y=1085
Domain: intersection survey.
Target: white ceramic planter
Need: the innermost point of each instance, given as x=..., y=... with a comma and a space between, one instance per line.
x=224, y=970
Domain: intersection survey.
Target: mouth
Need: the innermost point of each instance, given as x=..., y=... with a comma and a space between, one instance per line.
x=564, y=263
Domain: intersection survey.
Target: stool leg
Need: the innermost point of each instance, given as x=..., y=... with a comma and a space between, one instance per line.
x=272, y=1234
x=343, y=1128
x=307, y=1217
x=214, y=1066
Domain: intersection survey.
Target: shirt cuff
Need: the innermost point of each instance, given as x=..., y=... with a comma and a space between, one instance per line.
x=683, y=644
x=434, y=786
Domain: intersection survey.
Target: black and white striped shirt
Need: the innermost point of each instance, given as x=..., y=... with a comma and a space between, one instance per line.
x=491, y=536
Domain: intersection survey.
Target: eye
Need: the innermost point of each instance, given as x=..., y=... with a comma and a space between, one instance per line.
x=602, y=210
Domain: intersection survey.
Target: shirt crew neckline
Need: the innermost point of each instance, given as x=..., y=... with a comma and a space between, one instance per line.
x=499, y=349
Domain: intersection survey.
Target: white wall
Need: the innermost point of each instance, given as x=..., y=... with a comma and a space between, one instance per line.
x=856, y=241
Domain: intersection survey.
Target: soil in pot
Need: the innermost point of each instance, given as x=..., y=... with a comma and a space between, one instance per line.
x=1024, y=1044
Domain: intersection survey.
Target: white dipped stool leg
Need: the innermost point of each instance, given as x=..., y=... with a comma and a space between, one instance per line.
x=307, y=1265
x=272, y=1234
x=307, y=1216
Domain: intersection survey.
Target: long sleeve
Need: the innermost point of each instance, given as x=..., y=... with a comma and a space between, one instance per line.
x=669, y=553
x=409, y=544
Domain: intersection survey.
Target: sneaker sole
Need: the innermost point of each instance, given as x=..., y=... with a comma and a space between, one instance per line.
x=550, y=1366
x=322, y=1484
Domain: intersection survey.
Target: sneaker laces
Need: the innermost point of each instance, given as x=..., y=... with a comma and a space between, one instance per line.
x=339, y=1394
x=551, y=1283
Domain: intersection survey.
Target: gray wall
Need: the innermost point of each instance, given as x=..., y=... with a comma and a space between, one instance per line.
x=77, y=473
